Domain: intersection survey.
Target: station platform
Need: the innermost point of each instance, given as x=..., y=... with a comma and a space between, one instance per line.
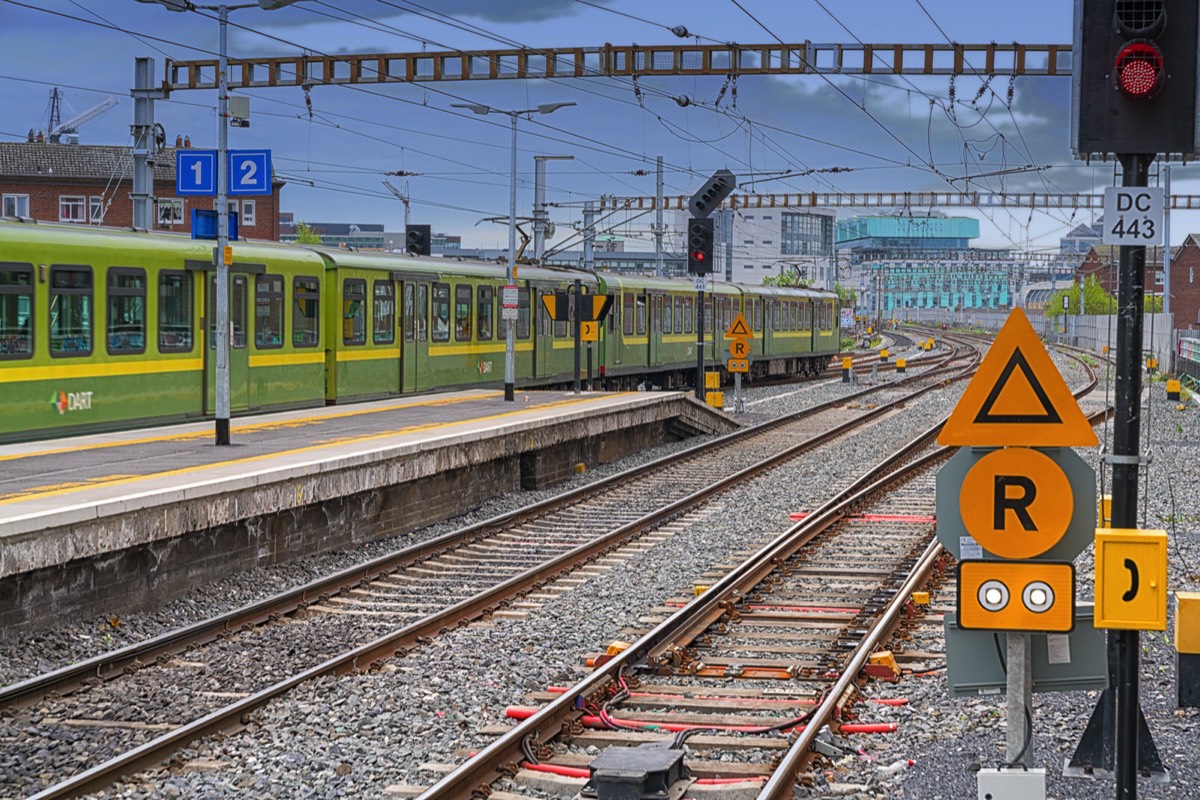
x=117, y=521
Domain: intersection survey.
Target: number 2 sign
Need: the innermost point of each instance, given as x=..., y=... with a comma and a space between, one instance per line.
x=249, y=171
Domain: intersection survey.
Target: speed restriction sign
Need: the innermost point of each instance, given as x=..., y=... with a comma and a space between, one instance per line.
x=1133, y=215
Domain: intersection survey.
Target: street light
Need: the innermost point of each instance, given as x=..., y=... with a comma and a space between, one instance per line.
x=511, y=272
x=222, y=253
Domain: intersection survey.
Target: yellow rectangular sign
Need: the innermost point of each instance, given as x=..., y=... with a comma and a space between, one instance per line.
x=737, y=365
x=1035, y=596
x=1131, y=579
x=589, y=331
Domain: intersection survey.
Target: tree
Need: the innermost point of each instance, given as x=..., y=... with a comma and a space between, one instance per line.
x=306, y=235
x=1096, y=301
x=849, y=297
x=788, y=277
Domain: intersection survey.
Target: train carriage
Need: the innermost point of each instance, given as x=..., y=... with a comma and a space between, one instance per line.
x=100, y=327
x=103, y=328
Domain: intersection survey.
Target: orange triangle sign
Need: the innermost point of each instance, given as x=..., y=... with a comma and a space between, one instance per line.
x=739, y=329
x=1017, y=397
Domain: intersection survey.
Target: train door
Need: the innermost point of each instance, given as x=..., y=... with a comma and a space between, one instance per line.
x=239, y=353
x=414, y=347
x=655, y=334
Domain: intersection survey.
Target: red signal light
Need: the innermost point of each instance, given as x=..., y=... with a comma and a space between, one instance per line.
x=697, y=255
x=1138, y=70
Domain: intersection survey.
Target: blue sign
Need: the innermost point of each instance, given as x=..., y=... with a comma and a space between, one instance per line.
x=195, y=172
x=204, y=224
x=249, y=171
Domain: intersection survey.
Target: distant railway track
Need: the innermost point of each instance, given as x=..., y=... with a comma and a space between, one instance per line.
x=137, y=705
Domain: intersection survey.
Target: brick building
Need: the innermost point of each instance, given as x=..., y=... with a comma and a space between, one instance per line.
x=94, y=184
x=1101, y=262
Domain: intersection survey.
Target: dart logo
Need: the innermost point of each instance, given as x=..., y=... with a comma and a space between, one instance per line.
x=63, y=402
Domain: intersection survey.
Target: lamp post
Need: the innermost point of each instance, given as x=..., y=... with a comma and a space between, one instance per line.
x=222, y=253
x=511, y=272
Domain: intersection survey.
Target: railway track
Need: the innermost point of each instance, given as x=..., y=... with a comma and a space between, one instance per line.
x=131, y=708
x=748, y=672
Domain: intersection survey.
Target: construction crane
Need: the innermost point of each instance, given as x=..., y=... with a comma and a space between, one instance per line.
x=71, y=126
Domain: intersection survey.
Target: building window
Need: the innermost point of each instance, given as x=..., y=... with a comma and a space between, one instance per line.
x=767, y=217
x=126, y=311
x=747, y=266
x=16, y=311
x=247, y=220
x=70, y=311
x=306, y=312
x=747, y=216
x=747, y=241
x=354, y=317
x=72, y=208
x=268, y=311
x=169, y=211
x=174, y=312
x=767, y=241
x=16, y=205
x=96, y=209
x=384, y=316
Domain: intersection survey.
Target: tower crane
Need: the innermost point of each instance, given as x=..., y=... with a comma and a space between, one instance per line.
x=72, y=125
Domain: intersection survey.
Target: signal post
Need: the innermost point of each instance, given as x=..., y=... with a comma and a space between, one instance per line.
x=700, y=252
x=1015, y=506
x=1133, y=97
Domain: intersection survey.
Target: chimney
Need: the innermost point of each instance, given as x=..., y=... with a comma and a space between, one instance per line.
x=179, y=140
x=30, y=139
x=39, y=137
x=187, y=141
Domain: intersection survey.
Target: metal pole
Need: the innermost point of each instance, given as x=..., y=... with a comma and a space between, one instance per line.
x=539, y=206
x=577, y=325
x=1019, y=701
x=511, y=272
x=1126, y=439
x=658, y=220
x=143, y=143
x=589, y=236
x=1166, y=260
x=219, y=254
x=700, y=338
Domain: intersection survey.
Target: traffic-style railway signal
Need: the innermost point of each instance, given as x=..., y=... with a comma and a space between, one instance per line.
x=1134, y=77
x=700, y=246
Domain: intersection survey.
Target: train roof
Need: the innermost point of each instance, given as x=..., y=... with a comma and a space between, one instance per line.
x=661, y=284
x=417, y=265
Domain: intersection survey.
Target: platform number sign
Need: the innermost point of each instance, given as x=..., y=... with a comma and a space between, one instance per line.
x=1133, y=215
x=249, y=171
x=195, y=172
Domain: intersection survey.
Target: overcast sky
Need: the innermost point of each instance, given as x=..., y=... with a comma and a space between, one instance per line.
x=885, y=131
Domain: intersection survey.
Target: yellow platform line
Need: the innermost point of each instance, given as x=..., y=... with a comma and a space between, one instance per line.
x=253, y=427
x=295, y=451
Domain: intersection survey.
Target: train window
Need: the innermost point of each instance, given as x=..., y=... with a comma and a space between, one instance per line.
x=441, y=312
x=522, y=313
x=640, y=314
x=726, y=314
x=268, y=311
x=383, y=318
x=708, y=314
x=462, y=313
x=793, y=316
x=775, y=315
x=614, y=312
x=679, y=315
x=689, y=314
x=560, y=328
x=628, y=315
x=306, y=312
x=656, y=303
x=70, y=311
x=174, y=312
x=354, y=315
x=486, y=309
x=16, y=310
x=409, y=322
x=421, y=314
x=126, y=310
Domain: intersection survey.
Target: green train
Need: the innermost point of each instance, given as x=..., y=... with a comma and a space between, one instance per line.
x=106, y=328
